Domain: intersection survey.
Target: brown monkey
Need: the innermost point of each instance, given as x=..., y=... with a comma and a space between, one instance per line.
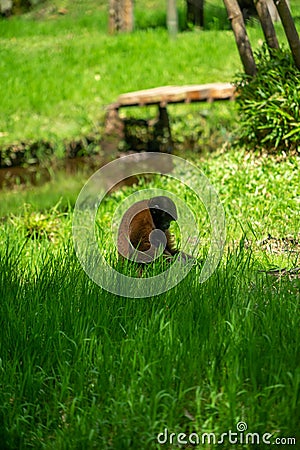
x=144, y=230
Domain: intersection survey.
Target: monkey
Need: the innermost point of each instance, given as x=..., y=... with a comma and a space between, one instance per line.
x=144, y=231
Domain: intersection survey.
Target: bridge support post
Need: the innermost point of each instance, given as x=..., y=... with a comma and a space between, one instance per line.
x=162, y=131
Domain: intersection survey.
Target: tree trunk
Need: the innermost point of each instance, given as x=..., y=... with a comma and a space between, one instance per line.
x=120, y=16
x=195, y=12
x=272, y=10
x=248, y=9
x=290, y=29
x=241, y=37
x=266, y=23
x=172, y=17
x=6, y=7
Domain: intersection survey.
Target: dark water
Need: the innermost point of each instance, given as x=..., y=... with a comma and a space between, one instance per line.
x=36, y=175
x=23, y=173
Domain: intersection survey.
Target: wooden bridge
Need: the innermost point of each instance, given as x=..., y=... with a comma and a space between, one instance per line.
x=163, y=96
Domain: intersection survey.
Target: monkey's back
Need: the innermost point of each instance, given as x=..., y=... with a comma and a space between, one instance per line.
x=135, y=228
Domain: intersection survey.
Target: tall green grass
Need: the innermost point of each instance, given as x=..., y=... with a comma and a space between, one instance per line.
x=81, y=368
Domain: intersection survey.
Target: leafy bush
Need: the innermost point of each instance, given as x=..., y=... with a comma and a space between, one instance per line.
x=269, y=103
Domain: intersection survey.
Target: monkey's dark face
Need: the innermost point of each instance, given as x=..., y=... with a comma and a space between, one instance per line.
x=161, y=219
x=163, y=212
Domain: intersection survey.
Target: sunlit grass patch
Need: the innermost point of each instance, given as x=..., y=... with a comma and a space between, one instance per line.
x=36, y=225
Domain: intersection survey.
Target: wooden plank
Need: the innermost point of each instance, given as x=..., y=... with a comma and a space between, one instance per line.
x=177, y=94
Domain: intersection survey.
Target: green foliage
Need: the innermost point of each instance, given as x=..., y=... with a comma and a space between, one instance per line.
x=203, y=127
x=37, y=225
x=269, y=103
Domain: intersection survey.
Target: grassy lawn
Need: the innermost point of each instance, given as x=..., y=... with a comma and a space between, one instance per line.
x=81, y=368
x=58, y=72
